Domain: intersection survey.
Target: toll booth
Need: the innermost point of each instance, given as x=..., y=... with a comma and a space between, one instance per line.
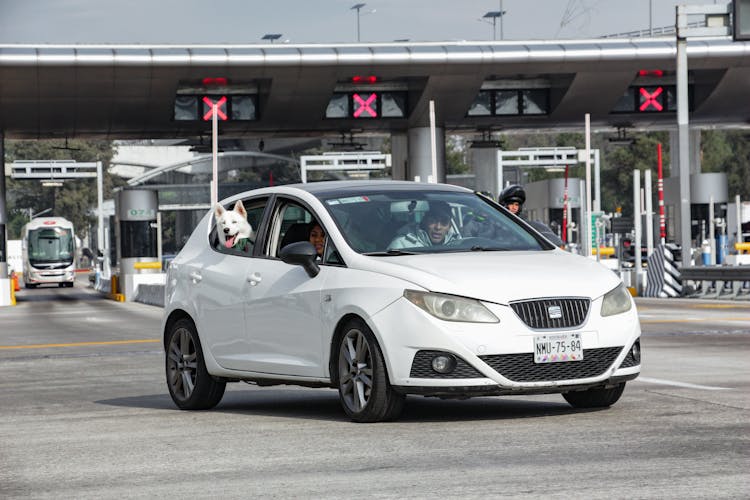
x=705, y=218
x=136, y=236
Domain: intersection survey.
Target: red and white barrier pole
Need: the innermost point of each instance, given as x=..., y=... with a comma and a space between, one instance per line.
x=565, y=209
x=660, y=189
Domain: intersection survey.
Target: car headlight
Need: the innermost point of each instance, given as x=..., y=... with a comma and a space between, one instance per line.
x=616, y=301
x=451, y=307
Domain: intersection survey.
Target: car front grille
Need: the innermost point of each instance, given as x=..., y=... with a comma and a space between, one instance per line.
x=521, y=367
x=421, y=367
x=552, y=313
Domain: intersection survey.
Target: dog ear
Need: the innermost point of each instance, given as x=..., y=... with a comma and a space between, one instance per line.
x=240, y=209
x=218, y=210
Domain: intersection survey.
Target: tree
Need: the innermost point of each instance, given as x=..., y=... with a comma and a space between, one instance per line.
x=456, y=155
x=618, y=165
x=75, y=199
x=728, y=151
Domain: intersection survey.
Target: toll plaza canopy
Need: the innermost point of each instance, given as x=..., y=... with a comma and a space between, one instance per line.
x=140, y=91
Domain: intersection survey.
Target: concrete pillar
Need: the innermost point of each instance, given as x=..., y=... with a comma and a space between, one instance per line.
x=693, y=168
x=3, y=214
x=5, y=283
x=695, y=152
x=420, y=155
x=484, y=165
x=399, y=156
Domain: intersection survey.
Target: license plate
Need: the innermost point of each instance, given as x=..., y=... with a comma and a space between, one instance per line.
x=561, y=347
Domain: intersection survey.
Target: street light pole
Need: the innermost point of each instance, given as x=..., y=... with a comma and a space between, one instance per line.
x=502, y=15
x=357, y=7
x=494, y=15
x=717, y=24
x=683, y=137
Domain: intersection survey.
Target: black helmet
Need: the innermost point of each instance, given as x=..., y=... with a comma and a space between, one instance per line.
x=512, y=194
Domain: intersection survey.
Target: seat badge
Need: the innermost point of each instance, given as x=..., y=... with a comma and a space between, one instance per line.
x=554, y=312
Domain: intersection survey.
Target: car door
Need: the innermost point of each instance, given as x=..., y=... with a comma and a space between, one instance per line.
x=220, y=281
x=283, y=315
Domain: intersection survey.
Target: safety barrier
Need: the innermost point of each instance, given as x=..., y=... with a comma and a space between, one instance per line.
x=151, y=294
x=147, y=265
x=663, y=278
x=719, y=282
x=603, y=251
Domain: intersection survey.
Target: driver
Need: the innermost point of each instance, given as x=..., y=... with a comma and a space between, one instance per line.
x=436, y=228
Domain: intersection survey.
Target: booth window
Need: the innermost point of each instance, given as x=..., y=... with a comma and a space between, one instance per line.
x=138, y=239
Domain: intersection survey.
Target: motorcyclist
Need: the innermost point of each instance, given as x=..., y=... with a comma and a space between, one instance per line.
x=513, y=197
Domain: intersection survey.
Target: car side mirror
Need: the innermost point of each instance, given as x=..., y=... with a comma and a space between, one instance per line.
x=301, y=253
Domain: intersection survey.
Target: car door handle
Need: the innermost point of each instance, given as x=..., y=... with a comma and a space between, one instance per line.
x=195, y=276
x=254, y=279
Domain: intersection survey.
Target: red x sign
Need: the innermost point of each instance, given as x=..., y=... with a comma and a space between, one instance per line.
x=649, y=100
x=221, y=108
x=363, y=106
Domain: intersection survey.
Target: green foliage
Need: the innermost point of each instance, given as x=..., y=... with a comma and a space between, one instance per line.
x=456, y=156
x=75, y=199
x=728, y=151
x=619, y=162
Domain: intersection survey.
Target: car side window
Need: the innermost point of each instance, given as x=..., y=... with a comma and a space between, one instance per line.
x=292, y=222
x=235, y=232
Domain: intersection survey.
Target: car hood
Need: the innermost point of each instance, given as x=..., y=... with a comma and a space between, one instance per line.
x=501, y=277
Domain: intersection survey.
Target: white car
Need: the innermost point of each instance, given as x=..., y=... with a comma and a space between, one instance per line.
x=424, y=289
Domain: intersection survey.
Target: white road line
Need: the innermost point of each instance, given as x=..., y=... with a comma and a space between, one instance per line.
x=681, y=384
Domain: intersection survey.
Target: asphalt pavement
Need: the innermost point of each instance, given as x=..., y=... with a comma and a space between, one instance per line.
x=85, y=413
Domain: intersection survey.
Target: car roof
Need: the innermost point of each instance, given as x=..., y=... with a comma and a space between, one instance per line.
x=325, y=188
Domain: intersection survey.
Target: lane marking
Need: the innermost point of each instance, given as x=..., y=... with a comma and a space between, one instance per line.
x=79, y=344
x=689, y=304
x=689, y=320
x=674, y=383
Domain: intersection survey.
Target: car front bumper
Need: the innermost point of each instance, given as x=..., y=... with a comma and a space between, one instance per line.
x=497, y=358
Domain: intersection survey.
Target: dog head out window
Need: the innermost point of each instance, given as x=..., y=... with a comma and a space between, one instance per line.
x=236, y=226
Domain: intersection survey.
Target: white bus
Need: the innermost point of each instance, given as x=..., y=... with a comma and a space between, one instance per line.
x=49, y=251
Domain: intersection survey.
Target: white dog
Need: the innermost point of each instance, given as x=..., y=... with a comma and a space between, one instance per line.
x=233, y=228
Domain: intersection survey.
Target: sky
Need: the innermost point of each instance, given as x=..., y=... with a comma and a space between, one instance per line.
x=191, y=22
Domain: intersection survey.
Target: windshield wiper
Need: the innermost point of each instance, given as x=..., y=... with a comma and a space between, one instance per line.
x=477, y=248
x=389, y=253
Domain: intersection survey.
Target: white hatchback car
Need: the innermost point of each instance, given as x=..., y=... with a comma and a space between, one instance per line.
x=424, y=289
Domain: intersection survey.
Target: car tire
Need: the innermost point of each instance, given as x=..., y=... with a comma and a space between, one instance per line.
x=595, y=398
x=189, y=383
x=364, y=389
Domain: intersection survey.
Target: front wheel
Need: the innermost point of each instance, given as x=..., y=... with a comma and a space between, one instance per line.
x=189, y=383
x=364, y=389
x=595, y=398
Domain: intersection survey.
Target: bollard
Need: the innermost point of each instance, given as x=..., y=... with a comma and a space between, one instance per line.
x=604, y=251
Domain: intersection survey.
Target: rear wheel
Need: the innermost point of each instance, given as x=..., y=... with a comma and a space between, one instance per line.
x=364, y=390
x=189, y=383
x=595, y=398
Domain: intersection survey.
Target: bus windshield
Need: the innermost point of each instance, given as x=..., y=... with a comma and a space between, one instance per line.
x=51, y=245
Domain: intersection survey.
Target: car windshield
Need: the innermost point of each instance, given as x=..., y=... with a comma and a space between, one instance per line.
x=398, y=222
